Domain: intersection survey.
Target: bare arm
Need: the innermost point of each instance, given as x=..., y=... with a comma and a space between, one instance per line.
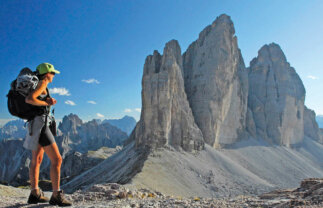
x=32, y=97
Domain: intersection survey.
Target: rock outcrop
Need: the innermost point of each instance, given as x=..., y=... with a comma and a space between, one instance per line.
x=276, y=98
x=309, y=194
x=166, y=118
x=311, y=128
x=216, y=83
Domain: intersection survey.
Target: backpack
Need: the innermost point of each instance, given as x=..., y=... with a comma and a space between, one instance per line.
x=26, y=82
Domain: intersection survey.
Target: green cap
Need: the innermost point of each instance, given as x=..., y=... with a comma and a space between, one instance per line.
x=44, y=68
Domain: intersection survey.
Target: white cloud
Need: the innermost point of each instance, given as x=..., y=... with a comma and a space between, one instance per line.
x=91, y=101
x=127, y=110
x=138, y=109
x=100, y=115
x=89, y=81
x=69, y=102
x=312, y=77
x=60, y=91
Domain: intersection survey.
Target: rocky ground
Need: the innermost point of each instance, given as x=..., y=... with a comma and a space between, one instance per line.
x=309, y=194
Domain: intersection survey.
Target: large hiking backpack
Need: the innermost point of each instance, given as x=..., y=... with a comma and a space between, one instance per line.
x=26, y=82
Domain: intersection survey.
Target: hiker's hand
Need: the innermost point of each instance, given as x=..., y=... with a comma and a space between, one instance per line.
x=51, y=101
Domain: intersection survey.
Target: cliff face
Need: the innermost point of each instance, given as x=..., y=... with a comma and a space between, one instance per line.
x=216, y=83
x=166, y=118
x=276, y=98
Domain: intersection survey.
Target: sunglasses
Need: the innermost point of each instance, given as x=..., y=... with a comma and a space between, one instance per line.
x=53, y=73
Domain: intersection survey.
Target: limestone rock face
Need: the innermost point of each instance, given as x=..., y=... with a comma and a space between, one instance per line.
x=311, y=128
x=276, y=98
x=166, y=118
x=216, y=83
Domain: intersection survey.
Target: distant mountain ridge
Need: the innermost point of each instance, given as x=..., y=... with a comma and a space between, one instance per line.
x=89, y=135
x=16, y=129
x=13, y=129
x=126, y=123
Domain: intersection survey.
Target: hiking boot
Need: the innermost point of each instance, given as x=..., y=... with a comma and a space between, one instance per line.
x=59, y=200
x=34, y=199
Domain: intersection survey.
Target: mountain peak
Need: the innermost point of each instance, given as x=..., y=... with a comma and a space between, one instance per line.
x=223, y=18
x=128, y=118
x=273, y=52
x=70, y=122
x=224, y=21
x=126, y=123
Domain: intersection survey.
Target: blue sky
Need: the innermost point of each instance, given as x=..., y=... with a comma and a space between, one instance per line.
x=100, y=46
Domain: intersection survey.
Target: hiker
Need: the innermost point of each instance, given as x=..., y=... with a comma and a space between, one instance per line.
x=40, y=139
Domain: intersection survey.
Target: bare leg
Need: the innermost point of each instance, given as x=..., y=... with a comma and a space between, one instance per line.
x=55, y=168
x=37, y=157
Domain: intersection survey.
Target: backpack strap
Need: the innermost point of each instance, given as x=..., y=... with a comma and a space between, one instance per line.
x=45, y=125
x=31, y=127
x=48, y=96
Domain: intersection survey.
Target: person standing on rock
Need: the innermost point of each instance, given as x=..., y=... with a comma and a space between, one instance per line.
x=40, y=139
